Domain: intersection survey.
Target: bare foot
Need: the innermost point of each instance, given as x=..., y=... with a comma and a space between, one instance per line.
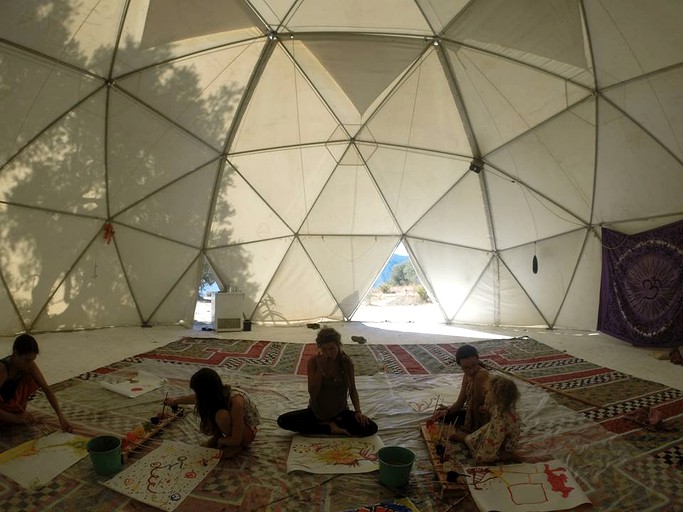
x=337, y=431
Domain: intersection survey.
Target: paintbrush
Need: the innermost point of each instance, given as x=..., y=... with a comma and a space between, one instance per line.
x=163, y=409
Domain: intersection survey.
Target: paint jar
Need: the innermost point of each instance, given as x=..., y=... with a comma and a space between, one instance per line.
x=105, y=454
x=395, y=464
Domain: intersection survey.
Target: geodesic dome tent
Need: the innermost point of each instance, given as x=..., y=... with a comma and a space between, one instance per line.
x=293, y=144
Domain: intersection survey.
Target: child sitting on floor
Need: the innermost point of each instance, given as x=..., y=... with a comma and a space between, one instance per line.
x=226, y=414
x=497, y=439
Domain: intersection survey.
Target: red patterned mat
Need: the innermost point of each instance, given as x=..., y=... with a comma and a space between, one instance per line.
x=254, y=357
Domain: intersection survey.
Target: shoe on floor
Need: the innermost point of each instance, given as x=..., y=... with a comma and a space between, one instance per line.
x=313, y=326
x=359, y=339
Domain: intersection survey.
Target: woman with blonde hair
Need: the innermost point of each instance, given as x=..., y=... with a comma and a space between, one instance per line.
x=497, y=439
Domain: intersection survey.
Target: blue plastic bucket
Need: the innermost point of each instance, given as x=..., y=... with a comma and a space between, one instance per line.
x=395, y=464
x=105, y=454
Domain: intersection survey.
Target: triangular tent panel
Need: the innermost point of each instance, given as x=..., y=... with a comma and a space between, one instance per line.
x=153, y=31
x=502, y=97
x=29, y=276
x=348, y=264
x=459, y=217
x=36, y=177
x=627, y=153
x=80, y=34
x=249, y=267
x=402, y=176
x=545, y=35
x=656, y=103
x=179, y=305
x=534, y=216
x=203, y=92
x=311, y=299
x=146, y=152
x=439, y=13
x=241, y=215
x=94, y=294
x=632, y=38
x=300, y=117
x=556, y=258
x=35, y=93
x=185, y=223
x=557, y=157
x=351, y=198
x=358, y=15
x=579, y=309
x=421, y=112
x=152, y=266
x=353, y=73
x=304, y=171
x=451, y=272
x=10, y=321
x=497, y=299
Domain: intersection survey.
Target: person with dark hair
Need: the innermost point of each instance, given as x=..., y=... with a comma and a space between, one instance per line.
x=20, y=378
x=496, y=440
x=468, y=410
x=226, y=414
x=331, y=381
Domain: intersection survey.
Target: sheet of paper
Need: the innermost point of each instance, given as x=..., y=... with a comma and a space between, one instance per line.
x=167, y=475
x=543, y=486
x=35, y=463
x=131, y=382
x=334, y=455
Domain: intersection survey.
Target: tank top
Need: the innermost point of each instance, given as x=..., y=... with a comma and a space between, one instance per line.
x=252, y=417
x=332, y=398
x=9, y=387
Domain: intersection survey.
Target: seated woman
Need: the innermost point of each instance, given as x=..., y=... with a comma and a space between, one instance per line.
x=467, y=411
x=496, y=440
x=226, y=414
x=20, y=377
x=331, y=380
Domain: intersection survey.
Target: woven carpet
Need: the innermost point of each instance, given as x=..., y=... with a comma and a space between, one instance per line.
x=254, y=357
x=620, y=464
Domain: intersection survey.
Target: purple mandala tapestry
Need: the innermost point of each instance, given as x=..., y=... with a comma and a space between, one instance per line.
x=641, y=292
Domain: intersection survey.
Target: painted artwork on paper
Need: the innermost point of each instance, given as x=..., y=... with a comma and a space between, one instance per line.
x=35, y=463
x=167, y=475
x=131, y=382
x=526, y=487
x=334, y=455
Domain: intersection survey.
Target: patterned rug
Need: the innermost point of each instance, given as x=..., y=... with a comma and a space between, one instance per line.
x=635, y=470
x=246, y=356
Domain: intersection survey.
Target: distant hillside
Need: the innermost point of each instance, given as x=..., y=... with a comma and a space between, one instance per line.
x=385, y=276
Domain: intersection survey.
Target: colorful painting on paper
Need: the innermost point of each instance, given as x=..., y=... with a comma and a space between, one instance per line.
x=525, y=487
x=131, y=383
x=35, y=463
x=334, y=455
x=400, y=505
x=166, y=476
